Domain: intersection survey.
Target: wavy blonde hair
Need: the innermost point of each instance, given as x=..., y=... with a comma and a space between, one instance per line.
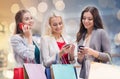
x=48, y=30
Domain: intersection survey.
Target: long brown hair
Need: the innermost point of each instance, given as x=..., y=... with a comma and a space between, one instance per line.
x=96, y=19
x=18, y=19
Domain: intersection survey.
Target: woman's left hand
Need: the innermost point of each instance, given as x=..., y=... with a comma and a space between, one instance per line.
x=71, y=51
x=90, y=51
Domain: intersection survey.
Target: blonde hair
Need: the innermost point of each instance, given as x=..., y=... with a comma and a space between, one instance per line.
x=48, y=30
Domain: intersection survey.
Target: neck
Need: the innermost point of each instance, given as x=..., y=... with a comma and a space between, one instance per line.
x=89, y=31
x=57, y=36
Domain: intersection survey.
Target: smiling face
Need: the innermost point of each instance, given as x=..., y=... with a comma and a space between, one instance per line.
x=28, y=19
x=87, y=20
x=56, y=24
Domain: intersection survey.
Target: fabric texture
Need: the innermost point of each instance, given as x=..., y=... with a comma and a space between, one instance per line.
x=22, y=50
x=64, y=57
x=50, y=49
x=100, y=42
x=37, y=54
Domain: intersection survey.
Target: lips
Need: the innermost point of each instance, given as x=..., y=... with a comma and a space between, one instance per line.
x=58, y=29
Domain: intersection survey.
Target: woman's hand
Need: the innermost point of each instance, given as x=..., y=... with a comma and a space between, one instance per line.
x=65, y=49
x=27, y=33
x=71, y=52
x=80, y=56
x=89, y=51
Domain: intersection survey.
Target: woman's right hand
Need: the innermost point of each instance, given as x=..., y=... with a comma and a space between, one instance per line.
x=27, y=32
x=80, y=56
x=65, y=49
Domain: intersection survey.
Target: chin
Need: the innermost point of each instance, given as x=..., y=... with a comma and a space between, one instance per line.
x=59, y=32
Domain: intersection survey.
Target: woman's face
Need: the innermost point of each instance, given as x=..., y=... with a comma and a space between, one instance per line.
x=56, y=25
x=28, y=19
x=87, y=20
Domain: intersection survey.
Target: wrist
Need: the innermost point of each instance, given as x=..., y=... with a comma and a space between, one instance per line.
x=95, y=53
x=61, y=53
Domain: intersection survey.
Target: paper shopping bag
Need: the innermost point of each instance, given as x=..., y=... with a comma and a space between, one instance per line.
x=18, y=73
x=34, y=71
x=63, y=71
x=104, y=71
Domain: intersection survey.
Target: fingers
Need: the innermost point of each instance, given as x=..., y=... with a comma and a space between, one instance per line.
x=66, y=46
x=26, y=28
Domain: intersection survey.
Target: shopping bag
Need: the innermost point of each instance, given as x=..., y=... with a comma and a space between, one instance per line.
x=63, y=71
x=18, y=73
x=104, y=71
x=34, y=71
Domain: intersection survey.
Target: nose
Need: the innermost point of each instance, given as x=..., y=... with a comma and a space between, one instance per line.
x=58, y=25
x=86, y=20
x=31, y=21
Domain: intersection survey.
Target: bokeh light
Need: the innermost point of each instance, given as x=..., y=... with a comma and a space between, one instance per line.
x=116, y=39
x=33, y=11
x=60, y=5
x=8, y=74
x=12, y=27
x=15, y=8
x=118, y=15
x=42, y=7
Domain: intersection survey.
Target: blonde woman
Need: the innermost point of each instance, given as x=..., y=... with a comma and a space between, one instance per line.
x=54, y=45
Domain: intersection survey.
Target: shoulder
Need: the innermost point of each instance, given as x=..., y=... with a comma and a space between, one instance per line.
x=46, y=37
x=101, y=31
x=16, y=37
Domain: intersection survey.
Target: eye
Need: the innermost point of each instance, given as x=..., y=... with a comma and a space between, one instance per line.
x=54, y=24
x=90, y=19
x=31, y=17
x=83, y=18
x=60, y=23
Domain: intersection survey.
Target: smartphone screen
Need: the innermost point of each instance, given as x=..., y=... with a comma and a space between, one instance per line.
x=21, y=25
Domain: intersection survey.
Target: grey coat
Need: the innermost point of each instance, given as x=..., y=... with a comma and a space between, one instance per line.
x=23, y=52
x=100, y=42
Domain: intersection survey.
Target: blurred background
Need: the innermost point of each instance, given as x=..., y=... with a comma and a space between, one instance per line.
x=70, y=10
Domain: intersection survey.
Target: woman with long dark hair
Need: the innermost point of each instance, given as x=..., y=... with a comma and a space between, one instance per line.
x=92, y=40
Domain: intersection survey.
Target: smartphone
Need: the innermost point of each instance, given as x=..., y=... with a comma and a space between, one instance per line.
x=21, y=25
x=67, y=45
x=80, y=47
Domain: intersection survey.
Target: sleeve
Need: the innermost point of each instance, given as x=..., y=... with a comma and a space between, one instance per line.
x=45, y=51
x=105, y=47
x=24, y=51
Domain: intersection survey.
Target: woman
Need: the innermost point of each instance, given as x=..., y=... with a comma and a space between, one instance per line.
x=54, y=46
x=94, y=42
x=25, y=48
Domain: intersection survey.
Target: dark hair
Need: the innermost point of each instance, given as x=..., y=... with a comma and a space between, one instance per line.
x=96, y=19
x=18, y=19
